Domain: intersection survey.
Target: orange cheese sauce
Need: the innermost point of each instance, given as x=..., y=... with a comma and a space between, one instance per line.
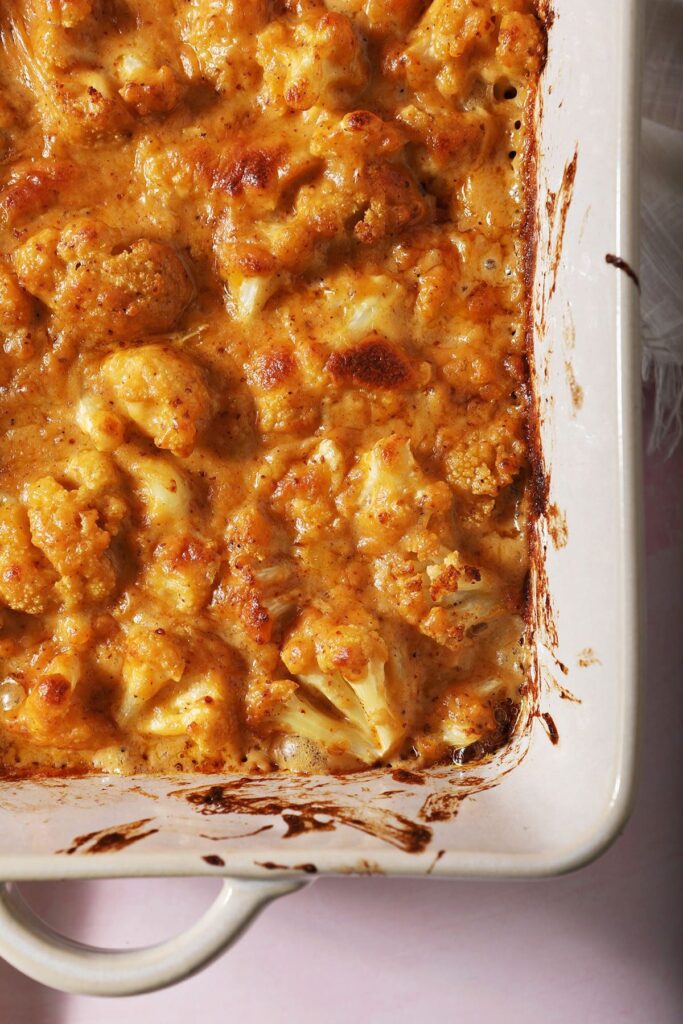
x=264, y=487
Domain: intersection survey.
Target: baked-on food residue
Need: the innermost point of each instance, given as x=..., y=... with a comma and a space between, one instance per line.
x=110, y=840
x=305, y=813
x=265, y=459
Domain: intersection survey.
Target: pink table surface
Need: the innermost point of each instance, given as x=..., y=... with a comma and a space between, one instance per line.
x=600, y=946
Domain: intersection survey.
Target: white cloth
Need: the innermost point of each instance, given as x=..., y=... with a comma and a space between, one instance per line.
x=661, y=268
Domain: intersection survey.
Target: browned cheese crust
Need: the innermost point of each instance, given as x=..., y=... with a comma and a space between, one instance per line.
x=264, y=477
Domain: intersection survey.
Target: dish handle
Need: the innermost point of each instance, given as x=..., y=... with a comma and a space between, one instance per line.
x=35, y=949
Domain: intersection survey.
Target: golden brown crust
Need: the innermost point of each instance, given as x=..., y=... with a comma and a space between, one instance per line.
x=263, y=384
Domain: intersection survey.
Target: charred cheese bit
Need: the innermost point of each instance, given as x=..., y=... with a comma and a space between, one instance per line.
x=373, y=363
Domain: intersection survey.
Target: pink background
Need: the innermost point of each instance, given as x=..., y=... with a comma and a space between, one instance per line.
x=601, y=946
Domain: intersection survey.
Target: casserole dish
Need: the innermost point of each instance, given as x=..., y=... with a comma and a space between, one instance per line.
x=562, y=789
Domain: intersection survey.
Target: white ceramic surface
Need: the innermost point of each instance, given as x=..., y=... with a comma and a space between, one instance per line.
x=563, y=803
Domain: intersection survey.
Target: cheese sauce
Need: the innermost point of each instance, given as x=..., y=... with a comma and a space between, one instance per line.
x=264, y=487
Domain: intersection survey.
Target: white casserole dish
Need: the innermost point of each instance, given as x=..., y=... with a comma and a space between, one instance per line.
x=562, y=803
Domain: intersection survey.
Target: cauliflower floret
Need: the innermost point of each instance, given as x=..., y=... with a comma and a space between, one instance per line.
x=65, y=13
x=163, y=392
x=306, y=493
x=108, y=294
x=484, y=450
x=367, y=173
x=248, y=292
x=370, y=303
x=105, y=429
x=451, y=30
x=96, y=476
x=185, y=687
x=380, y=16
x=17, y=328
x=26, y=579
x=365, y=193
x=286, y=398
x=356, y=687
x=55, y=43
x=316, y=59
x=91, y=66
x=182, y=570
x=449, y=143
x=221, y=34
x=159, y=485
x=444, y=597
x=181, y=564
x=468, y=713
x=447, y=31
x=259, y=585
x=388, y=493
x=74, y=527
x=404, y=522
x=33, y=187
x=152, y=660
x=472, y=718
x=148, y=89
x=53, y=713
x=520, y=42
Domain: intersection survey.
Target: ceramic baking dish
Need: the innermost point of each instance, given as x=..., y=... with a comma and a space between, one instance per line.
x=563, y=789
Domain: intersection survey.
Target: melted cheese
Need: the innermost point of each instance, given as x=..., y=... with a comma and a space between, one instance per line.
x=263, y=389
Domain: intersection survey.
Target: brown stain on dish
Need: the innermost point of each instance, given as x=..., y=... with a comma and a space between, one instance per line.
x=297, y=824
x=301, y=816
x=569, y=344
x=587, y=657
x=441, y=806
x=110, y=840
x=242, y=835
x=408, y=778
x=557, y=211
x=546, y=623
x=575, y=389
x=140, y=791
x=551, y=728
x=270, y=865
x=214, y=860
x=566, y=694
x=363, y=867
x=557, y=527
x=621, y=264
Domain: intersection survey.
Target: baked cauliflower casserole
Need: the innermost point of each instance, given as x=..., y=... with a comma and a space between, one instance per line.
x=265, y=459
